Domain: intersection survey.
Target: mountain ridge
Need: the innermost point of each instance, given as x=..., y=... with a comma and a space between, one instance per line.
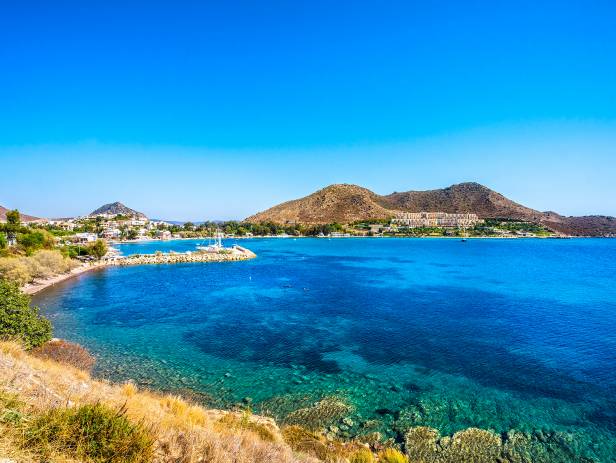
x=23, y=217
x=346, y=203
x=117, y=208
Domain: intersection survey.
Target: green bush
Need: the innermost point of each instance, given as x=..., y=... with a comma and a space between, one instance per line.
x=20, y=321
x=98, y=249
x=93, y=432
x=34, y=240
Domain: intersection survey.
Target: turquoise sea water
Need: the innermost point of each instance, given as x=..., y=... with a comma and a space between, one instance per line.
x=497, y=334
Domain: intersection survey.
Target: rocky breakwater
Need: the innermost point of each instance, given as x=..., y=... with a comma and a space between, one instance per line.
x=224, y=255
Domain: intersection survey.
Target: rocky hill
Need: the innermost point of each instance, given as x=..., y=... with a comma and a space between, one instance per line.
x=23, y=217
x=463, y=197
x=336, y=203
x=349, y=203
x=117, y=208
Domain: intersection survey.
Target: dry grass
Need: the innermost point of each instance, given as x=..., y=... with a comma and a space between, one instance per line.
x=184, y=433
x=41, y=265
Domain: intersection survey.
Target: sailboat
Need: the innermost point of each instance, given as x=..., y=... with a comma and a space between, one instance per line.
x=213, y=247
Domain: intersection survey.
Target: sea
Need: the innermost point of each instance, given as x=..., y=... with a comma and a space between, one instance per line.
x=360, y=336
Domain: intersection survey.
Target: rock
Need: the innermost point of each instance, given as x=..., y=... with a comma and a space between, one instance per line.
x=348, y=421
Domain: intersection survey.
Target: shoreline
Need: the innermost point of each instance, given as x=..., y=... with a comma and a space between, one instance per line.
x=38, y=286
x=237, y=254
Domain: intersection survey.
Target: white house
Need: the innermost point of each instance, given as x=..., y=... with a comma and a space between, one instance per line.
x=84, y=237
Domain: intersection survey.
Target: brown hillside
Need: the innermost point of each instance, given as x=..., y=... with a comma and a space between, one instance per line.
x=463, y=197
x=348, y=203
x=336, y=203
x=24, y=217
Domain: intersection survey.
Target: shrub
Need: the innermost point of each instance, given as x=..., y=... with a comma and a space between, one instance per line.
x=94, y=432
x=10, y=409
x=391, y=455
x=34, y=269
x=35, y=240
x=232, y=421
x=303, y=440
x=20, y=321
x=67, y=353
x=98, y=249
x=362, y=456
x=51, y=263
x=14, y=270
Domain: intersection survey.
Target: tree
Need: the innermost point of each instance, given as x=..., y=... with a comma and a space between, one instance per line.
x=13, y=217
x=35, y=240
x=13, y=224
x=98, y=249
x=3, y=241
x=20, y=321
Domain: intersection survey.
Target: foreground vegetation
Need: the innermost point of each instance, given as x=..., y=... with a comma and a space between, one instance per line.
x=20, y=321
x=52, y=412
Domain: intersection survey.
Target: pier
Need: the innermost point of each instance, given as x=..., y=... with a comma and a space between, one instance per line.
x=235, y=253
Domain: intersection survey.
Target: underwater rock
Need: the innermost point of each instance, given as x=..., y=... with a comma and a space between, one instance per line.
x=372, y=438
x=421, y=443
x=474, y=445
x=348, y=421
x=323, y=413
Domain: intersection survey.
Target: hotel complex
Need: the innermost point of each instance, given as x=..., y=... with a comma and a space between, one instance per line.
x=435, y=219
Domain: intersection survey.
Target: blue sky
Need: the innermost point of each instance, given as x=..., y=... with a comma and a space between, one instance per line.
x=193, y=110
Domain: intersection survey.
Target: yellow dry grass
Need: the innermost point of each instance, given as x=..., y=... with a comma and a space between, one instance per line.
x=184, y=432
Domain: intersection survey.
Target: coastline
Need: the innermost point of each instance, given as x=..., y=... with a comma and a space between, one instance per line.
x=238, y=254
x=33, y=288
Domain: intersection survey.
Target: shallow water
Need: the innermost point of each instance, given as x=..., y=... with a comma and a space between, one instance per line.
x=498, y=334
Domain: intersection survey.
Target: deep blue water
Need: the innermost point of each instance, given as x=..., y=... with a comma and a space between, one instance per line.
x=498, y=334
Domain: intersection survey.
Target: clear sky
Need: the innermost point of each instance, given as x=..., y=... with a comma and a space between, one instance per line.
x=194, y=110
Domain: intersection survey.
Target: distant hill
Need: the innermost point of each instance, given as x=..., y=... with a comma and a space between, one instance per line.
x=23, y=217
x=336, y=203
x=348, y=203
x=116, y=209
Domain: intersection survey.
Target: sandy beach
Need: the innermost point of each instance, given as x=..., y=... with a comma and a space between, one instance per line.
x=39, y=285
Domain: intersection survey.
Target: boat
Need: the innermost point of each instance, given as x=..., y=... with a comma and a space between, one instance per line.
x=213, y=247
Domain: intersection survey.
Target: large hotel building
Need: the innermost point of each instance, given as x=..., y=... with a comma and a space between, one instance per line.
x=435, y=219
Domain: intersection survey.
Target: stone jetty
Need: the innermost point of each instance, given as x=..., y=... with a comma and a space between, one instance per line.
x=224, y=255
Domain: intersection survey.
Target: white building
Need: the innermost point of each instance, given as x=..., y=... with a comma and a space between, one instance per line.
x=84, y=237
x=435, y=219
